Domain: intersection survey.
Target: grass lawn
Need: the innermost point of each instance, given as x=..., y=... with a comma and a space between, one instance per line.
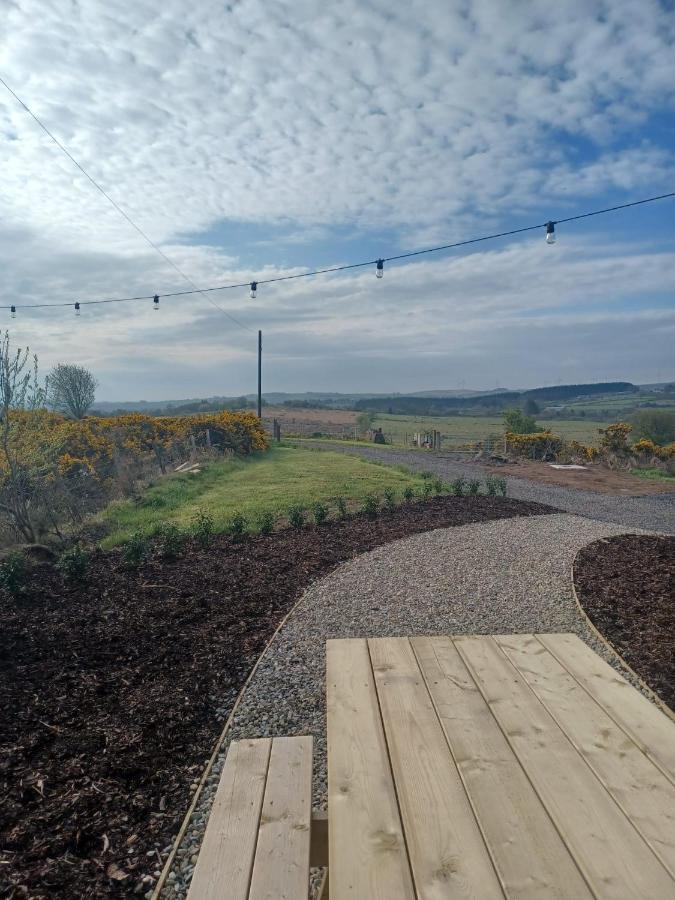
x=467, y=429
x=653, y=474
x=266, y=482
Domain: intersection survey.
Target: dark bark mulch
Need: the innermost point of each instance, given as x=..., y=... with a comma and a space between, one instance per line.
x=109, y=689
x=626, y=584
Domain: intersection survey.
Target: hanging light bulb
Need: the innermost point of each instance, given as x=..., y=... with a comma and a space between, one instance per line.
x=254, y=288
x=155, y=301
x=379, y=270
x=550, y=232
x=77, y=309
x=13, y=311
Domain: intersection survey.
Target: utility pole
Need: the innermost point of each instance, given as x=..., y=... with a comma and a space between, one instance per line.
x=260, y=374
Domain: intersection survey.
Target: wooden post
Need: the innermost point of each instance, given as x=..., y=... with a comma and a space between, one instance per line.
x=260, y=374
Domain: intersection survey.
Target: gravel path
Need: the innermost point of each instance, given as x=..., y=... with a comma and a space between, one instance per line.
x=654, y=512
x=511, y=575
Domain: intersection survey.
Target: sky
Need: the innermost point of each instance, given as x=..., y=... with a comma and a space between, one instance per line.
x=262, y=138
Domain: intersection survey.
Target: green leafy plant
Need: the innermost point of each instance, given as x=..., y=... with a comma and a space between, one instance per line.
x=296, y=515
x=408, y=493
x=320, y=512
x=371, y=505
x=73, y=563
x=171, y=540
x=135, y=550
x=341, y=505
x=474, y=486
x=389, y=498
x=14, y=573
x=457, y=487
x=502, y=486
x=427, y=489
x=438, y=485
x=266, y=523
x=491, y=486
x=203, y=528
x=237, y=527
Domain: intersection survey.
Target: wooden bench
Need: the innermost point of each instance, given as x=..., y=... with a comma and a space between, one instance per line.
x=257, y=841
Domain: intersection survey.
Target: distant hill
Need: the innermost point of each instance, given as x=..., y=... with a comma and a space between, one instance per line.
x=416, y=405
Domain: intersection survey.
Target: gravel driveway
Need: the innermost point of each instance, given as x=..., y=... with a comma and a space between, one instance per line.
x=503, y=576
x=654, y=512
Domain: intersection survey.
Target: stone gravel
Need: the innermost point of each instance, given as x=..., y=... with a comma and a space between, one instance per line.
x=654, y=512
x=510, y=575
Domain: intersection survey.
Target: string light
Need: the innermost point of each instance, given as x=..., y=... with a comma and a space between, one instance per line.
x=77, y=309
x=155, y=301
x=379, y=263
x=13, y=310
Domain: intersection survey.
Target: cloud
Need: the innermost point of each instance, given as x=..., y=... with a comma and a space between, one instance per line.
x=423, y=121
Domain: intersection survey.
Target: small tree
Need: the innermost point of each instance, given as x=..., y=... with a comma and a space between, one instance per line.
x=364, y=420
x=531, y=407
x=656, y=425
x=516, y=422
x=72, y=390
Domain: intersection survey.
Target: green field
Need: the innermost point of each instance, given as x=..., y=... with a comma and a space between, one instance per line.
x=267, y=482
x=469, y=429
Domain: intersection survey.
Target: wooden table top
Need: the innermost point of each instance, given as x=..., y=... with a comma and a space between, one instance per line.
x=495, y=766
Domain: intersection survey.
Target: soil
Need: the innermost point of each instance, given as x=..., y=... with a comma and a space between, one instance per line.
x=593, y=478
x=626, y=584
x=114, y=691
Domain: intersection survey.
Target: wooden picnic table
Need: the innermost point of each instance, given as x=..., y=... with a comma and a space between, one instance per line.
x=502, y=766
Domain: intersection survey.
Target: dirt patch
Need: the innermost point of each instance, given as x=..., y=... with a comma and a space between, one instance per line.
x=594, y=478
x=112, y=693
x=625, y=584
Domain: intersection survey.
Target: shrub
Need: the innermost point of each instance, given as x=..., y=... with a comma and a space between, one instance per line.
x=427, y=475
x=615, y=438
x=491, y=486
x=296, y=515
x=266, y=523
x=135, y=550
x=14, y=573
x=427, y=489
x=389, y=498
x=203, y=528
x=657, y=425
x=341, y=504
x=408, y=493
x=538, y=445
x=73, y=563
x=501, y=485
x=516, y=422
x=457, y=487
x=237, y=527
x=171, y=540
x=438, y=485
x=473, y=486
x=320, y=513
x=371, y=506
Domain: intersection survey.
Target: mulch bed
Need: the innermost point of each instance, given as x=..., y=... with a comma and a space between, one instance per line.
x=626, y=584
x=109, y=690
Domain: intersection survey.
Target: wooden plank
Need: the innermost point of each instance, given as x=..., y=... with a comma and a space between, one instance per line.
x=281, y=867
x=641, y=789
x=651, y=730
x=367, y=854
x=529, y=855
x=447, y=852
x=226, y=858
x=615, y=860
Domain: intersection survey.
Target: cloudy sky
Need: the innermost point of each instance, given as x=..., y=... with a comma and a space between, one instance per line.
x=258, y=138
